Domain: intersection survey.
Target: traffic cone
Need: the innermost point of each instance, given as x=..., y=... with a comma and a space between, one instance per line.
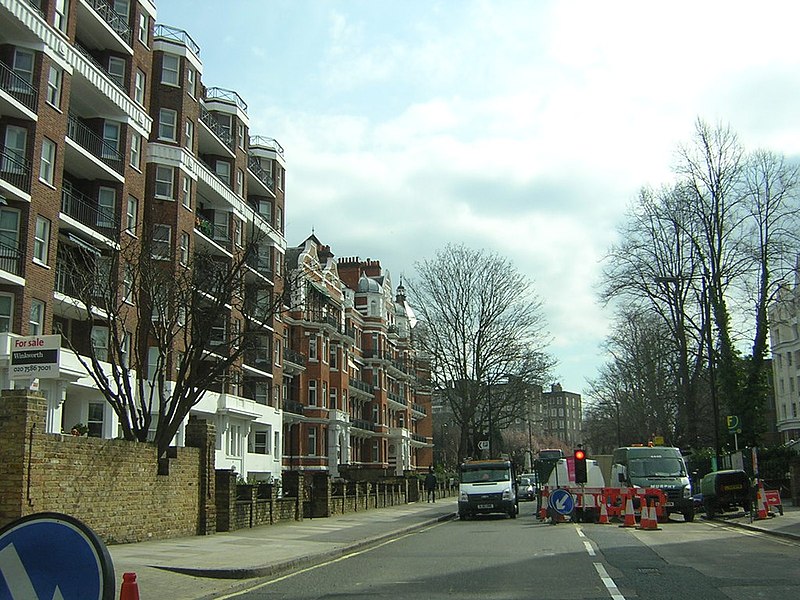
x=630, y=516
x=543, y=506
x=761, y=500
x=603, y=513
x=649, y=520
x=129, y=589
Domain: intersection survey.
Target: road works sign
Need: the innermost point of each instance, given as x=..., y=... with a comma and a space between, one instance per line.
x=35, y=357
x=562, y=502
x=48, y=556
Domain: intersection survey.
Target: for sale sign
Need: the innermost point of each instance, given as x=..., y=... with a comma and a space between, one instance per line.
x=35, y=357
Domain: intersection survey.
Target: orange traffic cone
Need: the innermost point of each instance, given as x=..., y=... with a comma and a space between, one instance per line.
x=649, y=520
x=630, y=516
x=129, y=589
x=761, y=500
x=603, y=513
x=543, y=506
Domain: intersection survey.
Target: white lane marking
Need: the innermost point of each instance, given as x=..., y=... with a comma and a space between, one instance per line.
x=589, y=549
x=612, y=588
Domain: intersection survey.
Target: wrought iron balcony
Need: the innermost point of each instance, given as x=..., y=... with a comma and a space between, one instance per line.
x=362, y=424
x=176, y=35
x=84, y=209
x=227, y=96
x=293, y=407
x=255, y=168
x=15, y=170
x=10, y=259
x=18, y=88
x=114, y=20
x=360, y=385
x=94, y=144
x=207, y=117
x=266, y=142
x=294, y=356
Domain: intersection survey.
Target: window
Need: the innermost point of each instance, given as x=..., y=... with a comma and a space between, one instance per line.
x=54, y=86
x=6, y=307
x=15, y=150
x=41, y=240
x=333, y=400
x=132, y=215
x=144, y=27
x=165, y=176
x=240, y=183
x=324, y=395
x=225, y=124
x=312, y=392
x=190, y=81
x=116, y=70
x=184, y=251
x=162, y=241
x=262, y=393
x=100, y=342
x=36, y=321
x=223, y=171
x=153, y=362
x=186, y=195
x=127, y=282
x=278, y=219
x=122, y=8
x=170, y=69
x=94, y=422
x=312, y=441
x=136, y=151
x=240, y=134
x=312, y=349
x=333, y=357
x=62, y=10
x=106, y=207
x=167, y=123
x=265, y=209
x=280, y=178
x=276, y=447
x=47, y=165
x=23, y=68
x=261, y=442
x=189, y=140
x=235, y=440
x=138, y=86
x=9, y=231
x=110, y=139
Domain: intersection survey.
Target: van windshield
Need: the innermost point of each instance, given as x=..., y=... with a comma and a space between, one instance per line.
x=656, y=467
x=485, y=474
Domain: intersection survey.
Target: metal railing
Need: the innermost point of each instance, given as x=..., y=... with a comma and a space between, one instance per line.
x=397, y=398
x=419, y=408
x=294, y=356
x=114, y=20
x=176, y=35
x=419, y=438
x=10, y=259
x=16, y=86
x=15, y=171
x=292, y=407
x=255, y=168
x=94, y=144
x=268, y=142
x=215, y=93
x=83, y=209
x=87, y=55
x=362, y=424
x=207, y=117
x=360, y=385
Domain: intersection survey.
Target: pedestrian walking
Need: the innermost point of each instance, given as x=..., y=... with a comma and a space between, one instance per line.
x=430, y=485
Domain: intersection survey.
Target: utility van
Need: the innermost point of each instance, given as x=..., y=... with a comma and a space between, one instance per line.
x=486, y=487
x=655, y=467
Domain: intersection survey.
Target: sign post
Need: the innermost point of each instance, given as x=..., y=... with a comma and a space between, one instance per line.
x=734, y=427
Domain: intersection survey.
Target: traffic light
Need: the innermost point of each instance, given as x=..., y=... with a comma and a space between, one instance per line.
x=580, y=466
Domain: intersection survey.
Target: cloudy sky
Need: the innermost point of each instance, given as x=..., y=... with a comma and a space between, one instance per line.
x=522, y=127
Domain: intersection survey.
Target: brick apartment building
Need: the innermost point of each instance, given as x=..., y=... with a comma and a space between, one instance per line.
x=109, y=136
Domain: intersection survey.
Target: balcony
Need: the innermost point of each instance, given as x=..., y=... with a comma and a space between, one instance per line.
x=266, y=143
x=101, y=24
x=223, y=137
x=10, y=260
x=294, y=356
x=360, y=385
x=15, y=171
x=96, y=146
x=397, y=399
x=418, y=408
x=179, y=36
x=263, y=176
x=84, y=210
x=362, y=424
x=419, y=438
x=215, y=94
x=293, y=407
x=20, y=90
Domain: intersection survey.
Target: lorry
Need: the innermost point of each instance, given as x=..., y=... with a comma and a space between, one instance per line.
x=659, y=467
x=486, y=487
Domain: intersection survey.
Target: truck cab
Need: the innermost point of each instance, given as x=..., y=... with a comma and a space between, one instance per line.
x=659, y=467
x=486, y=487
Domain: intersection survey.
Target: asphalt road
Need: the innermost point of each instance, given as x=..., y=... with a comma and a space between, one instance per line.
x=503, y=558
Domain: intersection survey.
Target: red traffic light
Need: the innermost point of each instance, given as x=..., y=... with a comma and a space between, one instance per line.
x=580, y=455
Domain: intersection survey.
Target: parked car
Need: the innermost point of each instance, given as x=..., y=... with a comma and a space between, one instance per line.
x=525, y=488
x=724, y=491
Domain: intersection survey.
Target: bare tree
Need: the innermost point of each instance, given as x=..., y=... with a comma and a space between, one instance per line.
x=483, y=322
x=163, y=333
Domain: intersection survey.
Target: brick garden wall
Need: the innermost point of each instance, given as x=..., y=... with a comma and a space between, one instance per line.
x=111, y=485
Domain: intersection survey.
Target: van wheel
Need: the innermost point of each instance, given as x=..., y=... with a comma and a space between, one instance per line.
x=688, y=516
x=513, y=513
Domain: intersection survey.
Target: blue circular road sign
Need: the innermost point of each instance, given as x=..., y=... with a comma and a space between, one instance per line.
x=562, y=502
x=50, y=555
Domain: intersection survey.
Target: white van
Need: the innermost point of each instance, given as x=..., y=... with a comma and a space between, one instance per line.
x=487, y=486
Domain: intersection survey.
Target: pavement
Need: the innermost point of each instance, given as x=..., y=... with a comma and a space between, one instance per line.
x=215, y=566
